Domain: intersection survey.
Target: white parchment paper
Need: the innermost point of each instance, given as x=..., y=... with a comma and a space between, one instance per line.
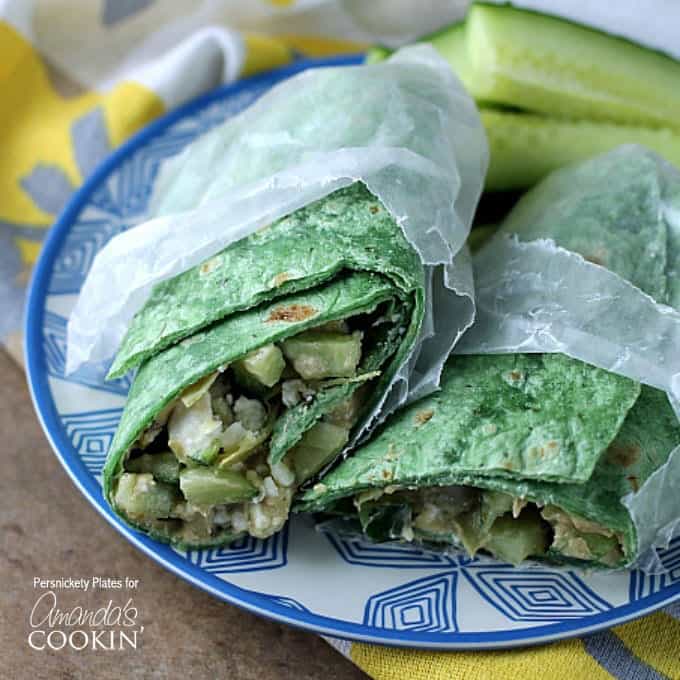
x=405, y=127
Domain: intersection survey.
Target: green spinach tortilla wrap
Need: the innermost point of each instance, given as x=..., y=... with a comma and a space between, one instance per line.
x=520, y=456
x=258, y=366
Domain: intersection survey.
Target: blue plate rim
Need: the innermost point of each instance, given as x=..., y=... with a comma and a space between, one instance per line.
x=164, y=555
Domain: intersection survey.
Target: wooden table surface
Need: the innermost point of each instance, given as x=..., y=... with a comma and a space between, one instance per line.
x=48, y=530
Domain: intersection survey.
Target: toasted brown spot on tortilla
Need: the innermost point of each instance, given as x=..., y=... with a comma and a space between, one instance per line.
x=513, y=378
x=292, y=313
x=209, y=266
x=374, y=209
x=423, y=416
x=594, y=259
x=279, y=279
x=552, y=446
x=597, y=256
x=624, y=455
x=634, y=483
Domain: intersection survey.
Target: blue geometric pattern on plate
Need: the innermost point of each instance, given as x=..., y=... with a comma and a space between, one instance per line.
x=244, y=554
x=83, y=242
x=391, y=555
x=536, y=594
x=91, y=434
x=641, y=584
x=335, y=585
x=92, y=375
x=426, y=605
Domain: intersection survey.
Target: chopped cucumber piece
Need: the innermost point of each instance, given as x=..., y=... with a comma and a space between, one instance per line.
x=542, y=63
x=451, y=43
x=141, y=497
x=264, y=366
x=318, y=446
x=316, y=355
x=347, y=412
x=193, y=433
x=205, y=486
x=163, y=466
x=513, y=540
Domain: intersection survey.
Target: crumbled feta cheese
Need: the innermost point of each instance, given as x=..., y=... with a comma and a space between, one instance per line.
x=270, y=488
x=250, y=412
x=283, y=474
x=294, y=391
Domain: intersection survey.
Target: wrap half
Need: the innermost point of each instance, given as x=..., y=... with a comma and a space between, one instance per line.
x=588, y=264
x=521, y=456
x=311, y=318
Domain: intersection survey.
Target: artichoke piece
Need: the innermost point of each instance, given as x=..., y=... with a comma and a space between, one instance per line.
x=238, y=443
x=194, y=392
x=194, y=433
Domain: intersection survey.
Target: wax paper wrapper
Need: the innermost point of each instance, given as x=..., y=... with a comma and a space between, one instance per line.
x=405, y=127
x=587, y=264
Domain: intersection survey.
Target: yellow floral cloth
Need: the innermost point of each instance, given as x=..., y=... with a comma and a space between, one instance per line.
x=78, y=77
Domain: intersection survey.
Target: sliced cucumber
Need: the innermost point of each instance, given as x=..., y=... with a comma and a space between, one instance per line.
x=541, y=63
x=526, y=147
x=553, y=92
